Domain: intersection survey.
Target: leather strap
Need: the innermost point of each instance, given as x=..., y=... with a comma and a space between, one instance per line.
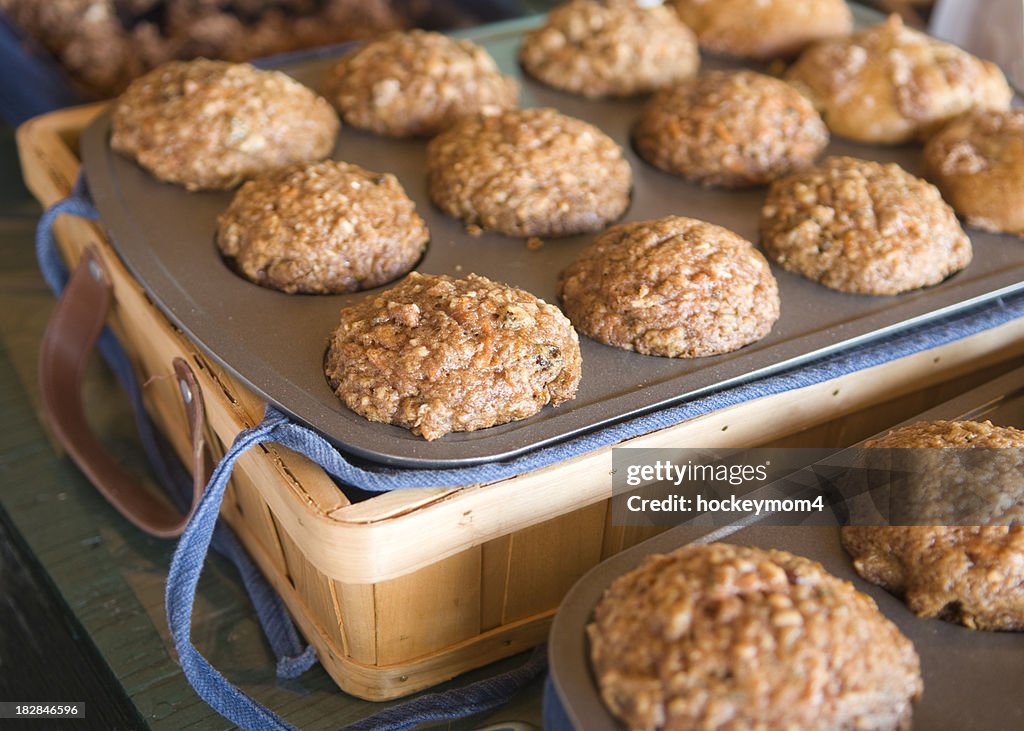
x=76, y=324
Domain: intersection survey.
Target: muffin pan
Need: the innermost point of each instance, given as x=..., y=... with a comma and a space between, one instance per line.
x=972, y=678
x=275, y=343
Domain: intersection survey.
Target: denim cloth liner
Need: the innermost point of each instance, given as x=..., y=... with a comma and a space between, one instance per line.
x=204, y=528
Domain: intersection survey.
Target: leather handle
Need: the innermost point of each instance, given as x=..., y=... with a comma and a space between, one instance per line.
x=71, y=334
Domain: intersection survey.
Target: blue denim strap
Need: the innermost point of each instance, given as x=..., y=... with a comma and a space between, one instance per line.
x=293, y=656
x=229, y=701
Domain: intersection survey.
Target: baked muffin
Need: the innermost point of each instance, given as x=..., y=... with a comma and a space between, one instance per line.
x=730, y=128
x=978, y=163
x=889, y=84
x=602, y=48
x=325, y=228
x=209, y=125
x=720, y=636
x=863, y=227
x=528, y=172
x=942, y=566
x=764, y=29
x=416, y=83
x=674, y=287
x=436, y=355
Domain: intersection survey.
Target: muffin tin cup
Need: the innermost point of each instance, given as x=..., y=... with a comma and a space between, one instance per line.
x=275, y=343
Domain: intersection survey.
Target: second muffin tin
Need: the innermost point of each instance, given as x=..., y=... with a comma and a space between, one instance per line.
x=972, y=678
x=275, y=343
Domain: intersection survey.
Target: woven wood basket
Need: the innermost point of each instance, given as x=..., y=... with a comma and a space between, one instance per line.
x=410, y=588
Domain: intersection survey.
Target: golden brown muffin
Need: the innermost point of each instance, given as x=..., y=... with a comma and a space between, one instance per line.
x=978, y=163
x=730, y=128
x=675, y=287
x=969, y=574
x=528, y=172
x=863, y=227
x=209, y=125
x=417, y=83
x=601, y=48
x=890, y=84
x=436, y=355
x=734, y=638
x=325, y=228
x=764, y=29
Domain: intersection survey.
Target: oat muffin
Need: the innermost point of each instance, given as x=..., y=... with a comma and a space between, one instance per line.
x=764, y=29
x=436, y=355
x=528, y=172
x=730, y=128
x=416, y=83
x=863, y=227
x=721, y=636
x=209, y=125
x=978, y=163
x=602, y=48
x=325, y=228
x=890, y=84
x=969, y=574
x=675, y=287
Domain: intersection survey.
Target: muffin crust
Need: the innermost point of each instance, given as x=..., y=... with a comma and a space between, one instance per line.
x=603, y=48
x=731, y=637
x=209, y=125
x=326, y=228
x=416, y=83
x=730, y=128
x=528, y=172
x=862, y=227
x=436, y=355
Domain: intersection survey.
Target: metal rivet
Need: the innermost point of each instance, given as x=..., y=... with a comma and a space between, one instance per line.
x=186, y=392
x=95, y=271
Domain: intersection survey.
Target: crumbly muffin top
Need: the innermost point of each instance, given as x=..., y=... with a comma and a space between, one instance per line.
x=864, y=227
x=326, y=228
x=764, y=29
x=977, y=160
x=675, y=287
x=733, y=637
x=730, y=128
x=212, y=124
x=436, y=355
x=416, y=83
x=601, y=48
x=528, y=172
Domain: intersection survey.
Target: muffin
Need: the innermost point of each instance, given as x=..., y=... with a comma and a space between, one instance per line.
x=731, y=129
x=764, y=29
x=943, y=566
x=720, y=636
x=610, y=48
x=209, y=125
x=528, y=172
x=436, y=355
x=862, y=227
x=889, y=84
x=978, y=163
x=325, y=228
x=416, y=83
x=674, y=287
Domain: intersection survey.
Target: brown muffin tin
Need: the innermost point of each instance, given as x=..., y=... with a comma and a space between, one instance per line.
x=972, y=678
x=275, y=343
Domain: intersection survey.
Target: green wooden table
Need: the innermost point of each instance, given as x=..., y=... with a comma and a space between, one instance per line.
x=80, y=576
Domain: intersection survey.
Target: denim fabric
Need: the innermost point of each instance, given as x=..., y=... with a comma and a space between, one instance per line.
x=555, y=717
x=293, y=656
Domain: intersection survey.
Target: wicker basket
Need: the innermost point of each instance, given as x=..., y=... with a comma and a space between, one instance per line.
x=410, y=588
